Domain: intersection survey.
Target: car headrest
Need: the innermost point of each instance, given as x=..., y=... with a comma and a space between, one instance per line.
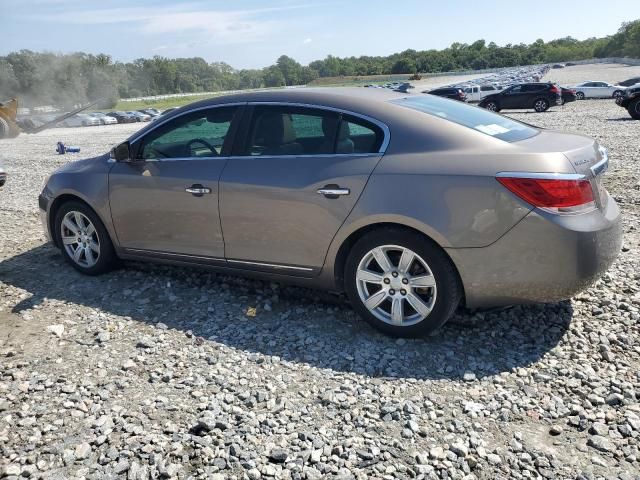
x=275, y=129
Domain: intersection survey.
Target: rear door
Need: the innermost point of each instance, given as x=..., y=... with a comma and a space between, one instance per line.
x=287, y=190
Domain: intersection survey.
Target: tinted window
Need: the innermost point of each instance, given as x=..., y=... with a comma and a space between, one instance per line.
x=283, y=130
x=487, y=88
x=516, y=89
x=365, y=136
x=476, y=118
x=192, y=135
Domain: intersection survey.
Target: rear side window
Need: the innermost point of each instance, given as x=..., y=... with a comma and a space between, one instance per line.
x=290, y=130
x=487, y=88
x=475, y=118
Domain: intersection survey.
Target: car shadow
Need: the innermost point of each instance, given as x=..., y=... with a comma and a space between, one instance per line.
x=300, y=326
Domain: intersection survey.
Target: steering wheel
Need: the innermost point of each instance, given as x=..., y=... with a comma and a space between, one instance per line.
x=202, y=142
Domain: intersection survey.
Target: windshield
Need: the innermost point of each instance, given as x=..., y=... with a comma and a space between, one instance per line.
x=476, y=118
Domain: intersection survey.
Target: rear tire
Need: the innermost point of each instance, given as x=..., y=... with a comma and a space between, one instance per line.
x=580, y=96
x=634, y=109
x=617, y=93
x=541, y=105
x=417, y=274
x=83, y=239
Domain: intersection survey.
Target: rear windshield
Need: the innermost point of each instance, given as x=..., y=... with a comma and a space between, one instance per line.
x=477, y=118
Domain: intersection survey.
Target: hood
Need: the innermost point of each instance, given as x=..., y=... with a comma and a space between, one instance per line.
x=86, y=165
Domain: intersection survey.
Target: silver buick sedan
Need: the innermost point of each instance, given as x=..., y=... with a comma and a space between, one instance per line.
x=411, y=204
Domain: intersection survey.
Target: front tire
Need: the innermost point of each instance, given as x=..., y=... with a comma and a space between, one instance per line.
x=492, y=106
x=401, y=283
x=83, y=239
x=634, y=109
x=580, y=96
x=541, y=105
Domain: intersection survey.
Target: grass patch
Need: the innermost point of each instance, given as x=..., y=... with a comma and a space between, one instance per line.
x=160, y=104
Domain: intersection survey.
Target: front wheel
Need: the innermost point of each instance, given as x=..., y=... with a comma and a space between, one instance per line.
x=83, y=239
x=618, y=94
x=492, y=106
x=401, y=283
x=580, y=96
x=634, y=109
x=541, y=105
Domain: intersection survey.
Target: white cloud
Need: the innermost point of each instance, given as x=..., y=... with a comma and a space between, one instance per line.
x=307, y=40
x=216, y=26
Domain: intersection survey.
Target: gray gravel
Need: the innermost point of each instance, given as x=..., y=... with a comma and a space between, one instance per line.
x=162, y=372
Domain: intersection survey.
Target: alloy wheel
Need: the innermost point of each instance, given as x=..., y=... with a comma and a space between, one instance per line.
x=540, y=106
x=80, y=239
x=396, y=285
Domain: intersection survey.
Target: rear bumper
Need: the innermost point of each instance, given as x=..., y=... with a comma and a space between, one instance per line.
x=544, y=258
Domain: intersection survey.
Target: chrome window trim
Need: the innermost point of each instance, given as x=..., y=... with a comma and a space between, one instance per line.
x=385, y=129
x=542, y=175
x=311, y=155
x=382, y=150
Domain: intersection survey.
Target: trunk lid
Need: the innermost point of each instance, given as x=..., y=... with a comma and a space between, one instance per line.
x=586, y=156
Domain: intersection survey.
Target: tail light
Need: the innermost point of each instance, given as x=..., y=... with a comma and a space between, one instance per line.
x=553, y=192
x=554, y=89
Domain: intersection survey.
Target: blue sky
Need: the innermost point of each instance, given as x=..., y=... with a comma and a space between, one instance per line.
x=252, y=34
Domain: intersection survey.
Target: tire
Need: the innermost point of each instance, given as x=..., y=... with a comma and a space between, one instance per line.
x=106, y=256
x=436, y=292
x=634, y=109
x=492, y=106
x=617, y=93
x=580, y=96
x=541, y=105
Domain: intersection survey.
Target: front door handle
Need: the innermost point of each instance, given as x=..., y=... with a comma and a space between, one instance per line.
x=197, y=190
x=333, y=191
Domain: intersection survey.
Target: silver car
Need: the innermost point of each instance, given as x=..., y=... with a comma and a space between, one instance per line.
x=411, y=204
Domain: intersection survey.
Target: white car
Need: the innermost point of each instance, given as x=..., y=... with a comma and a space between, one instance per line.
x=80, y=120
x=476, y=93
x=103, y=118
x=598, y=90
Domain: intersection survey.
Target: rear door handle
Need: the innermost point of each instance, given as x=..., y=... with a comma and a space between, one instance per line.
x=197, y=190
x=333, y=191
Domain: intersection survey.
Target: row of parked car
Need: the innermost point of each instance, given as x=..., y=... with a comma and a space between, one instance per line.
x=525, y=91
x=111, y=118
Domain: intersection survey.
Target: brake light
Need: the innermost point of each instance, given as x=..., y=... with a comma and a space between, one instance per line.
x=556, y=193
x=554, y=89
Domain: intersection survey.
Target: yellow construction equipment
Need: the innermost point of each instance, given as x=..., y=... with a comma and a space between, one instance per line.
x=11, y=127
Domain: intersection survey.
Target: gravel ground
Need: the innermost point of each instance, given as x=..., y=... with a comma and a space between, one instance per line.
x=162, y=372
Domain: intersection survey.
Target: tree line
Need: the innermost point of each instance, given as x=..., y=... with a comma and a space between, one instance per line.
x=66, y=79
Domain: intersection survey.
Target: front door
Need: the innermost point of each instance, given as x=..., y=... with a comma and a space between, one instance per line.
x=514, y=98
x=298, y=175
x=166, y=199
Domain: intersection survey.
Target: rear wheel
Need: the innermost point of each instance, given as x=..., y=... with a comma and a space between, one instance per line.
x=580, y=95
x=83, y=239
x=618, y=94
x=634, y=109
x=401, y=283
x=541, y=105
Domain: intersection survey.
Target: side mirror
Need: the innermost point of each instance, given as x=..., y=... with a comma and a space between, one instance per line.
x=121, y=153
